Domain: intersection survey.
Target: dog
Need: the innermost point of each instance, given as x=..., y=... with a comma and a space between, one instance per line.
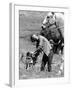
x=29, y=60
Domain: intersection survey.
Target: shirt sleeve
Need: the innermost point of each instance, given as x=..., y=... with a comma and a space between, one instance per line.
x=41, y=41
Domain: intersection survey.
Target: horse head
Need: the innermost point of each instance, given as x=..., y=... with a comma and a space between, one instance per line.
x=50, y=19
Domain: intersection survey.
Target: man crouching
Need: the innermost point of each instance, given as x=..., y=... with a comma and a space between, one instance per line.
x=44, y=44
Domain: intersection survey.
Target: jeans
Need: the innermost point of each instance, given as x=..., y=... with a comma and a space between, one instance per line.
x=48, y=60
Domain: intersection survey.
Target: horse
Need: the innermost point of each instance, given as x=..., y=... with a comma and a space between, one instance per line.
x=53, y=28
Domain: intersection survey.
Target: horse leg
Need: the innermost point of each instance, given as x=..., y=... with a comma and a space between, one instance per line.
x=55, y=49
x=50, y=57
x=62, y=50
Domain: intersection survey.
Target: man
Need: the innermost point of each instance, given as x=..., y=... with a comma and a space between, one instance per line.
x=44, y=44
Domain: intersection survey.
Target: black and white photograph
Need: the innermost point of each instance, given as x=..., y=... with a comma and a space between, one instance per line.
x=41, y=44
